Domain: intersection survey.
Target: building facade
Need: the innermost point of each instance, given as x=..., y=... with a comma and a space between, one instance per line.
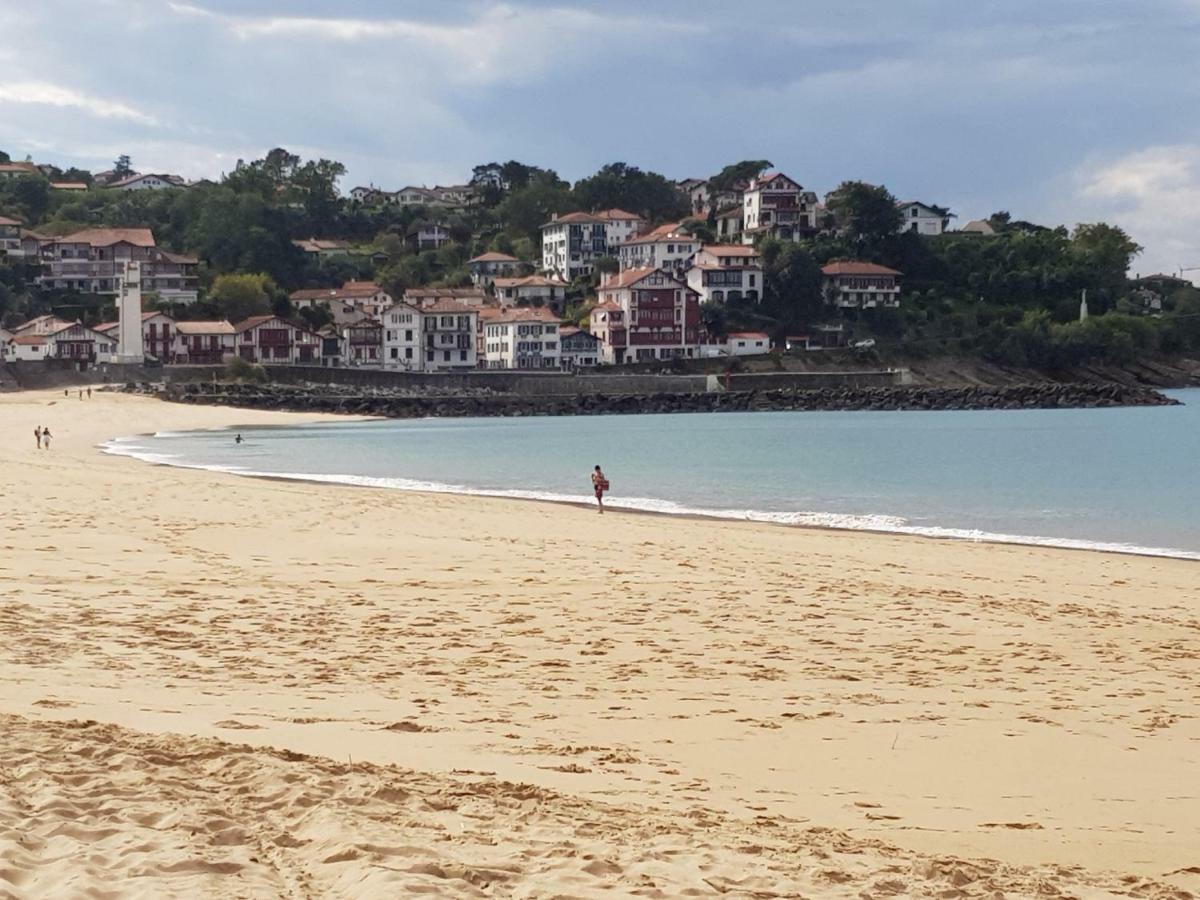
x=532, y=290
x=776, y=206
x=448, y=331
x=271, y=340
x=522, y=338
x=92, y=261
x=209, y=343
x=488, y=266
x=578, y=349
x=923, y=219
x=644, y=315
x=726, y=272
x=666, y=247
x=851, y=284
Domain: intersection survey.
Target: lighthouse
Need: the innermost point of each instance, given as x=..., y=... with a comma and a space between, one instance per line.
x=129, y=315
x=1083, y=310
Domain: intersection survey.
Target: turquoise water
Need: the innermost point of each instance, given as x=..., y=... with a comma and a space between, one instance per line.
x=1115, y=478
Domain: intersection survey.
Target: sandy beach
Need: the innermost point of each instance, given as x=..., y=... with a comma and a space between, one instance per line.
x=232, y=687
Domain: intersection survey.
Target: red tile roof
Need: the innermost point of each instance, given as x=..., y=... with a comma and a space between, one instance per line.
x=633, y=276
x=444, y=305
x=615, y=214
x=30, y=339
x=4, y=220
x=576, y=218
x=525, y=314
x=493, y=256
x=221, y=327
x=750, y=335
x=106, y=237
x=854, y=267
x=529, y=281
x=729, y=250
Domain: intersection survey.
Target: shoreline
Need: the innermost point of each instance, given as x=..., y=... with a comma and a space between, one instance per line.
x=751, y=517
x=866, y=707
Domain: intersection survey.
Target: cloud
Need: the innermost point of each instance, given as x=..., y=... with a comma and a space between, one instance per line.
x=501, y=43
x=43, y=93
x=1154, y=194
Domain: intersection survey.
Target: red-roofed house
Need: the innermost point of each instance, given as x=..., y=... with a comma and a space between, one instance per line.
x=646, y=314
x=365, y=296
x=66, y=340
x=571, y=243
x=749, y=343
x=533, y=290
x=91, y=261
x=850, y=284
x=158, y=335
x=722, y=272
x=666, y=247
x=487, y=266
x=19, y=170
x=274, y=341
x=777, y=206
x=204, y=343
x=522, y=337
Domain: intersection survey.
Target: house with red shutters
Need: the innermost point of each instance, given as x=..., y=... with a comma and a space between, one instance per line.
x=776, y=206
x=853, y=284
x=271, y=340
x=204, y=343
x=646, y=314
x=158, y=335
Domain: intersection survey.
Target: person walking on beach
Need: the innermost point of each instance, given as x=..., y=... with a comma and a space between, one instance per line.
x=238, y=439
x=599, y=485
x=89, y=393
x=37, y=435
x=45, y=438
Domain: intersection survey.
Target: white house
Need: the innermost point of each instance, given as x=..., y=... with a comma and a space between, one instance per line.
x=158, y=335
x=148, y=182
x=522, y=338
x=666, y=247
x=536, y=290
x=921, y=218
x=275, y=341
x=448, y=331
x=64, y=340
x=571, y=243
x=428, y=236
x=749, y=343
x=204, y=343
x=402, y=346
x=722, y=272
x=851, y=284
x=777, y=206
x=486, y=266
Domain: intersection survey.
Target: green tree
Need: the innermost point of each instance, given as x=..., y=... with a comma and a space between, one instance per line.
x=737, y=172
x=868, y=212
x=122, y=168
x=622, y=186
x=1104, y=252
x=237, y=297
x=526, y=209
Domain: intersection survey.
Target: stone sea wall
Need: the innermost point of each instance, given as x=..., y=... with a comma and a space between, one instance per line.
x=397, y=404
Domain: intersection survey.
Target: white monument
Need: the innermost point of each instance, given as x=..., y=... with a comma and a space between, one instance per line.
x=129, y=315
x=1083, y=310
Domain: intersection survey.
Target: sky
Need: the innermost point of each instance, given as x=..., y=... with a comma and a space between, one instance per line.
x=1060, y=111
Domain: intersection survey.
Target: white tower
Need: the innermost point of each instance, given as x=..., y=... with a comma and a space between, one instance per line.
x=129, y=315
x=1083, y=310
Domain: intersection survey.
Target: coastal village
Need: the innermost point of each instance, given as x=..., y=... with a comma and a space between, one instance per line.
x=606, y=287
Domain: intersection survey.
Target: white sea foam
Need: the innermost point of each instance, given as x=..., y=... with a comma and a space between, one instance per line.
x=131, y=447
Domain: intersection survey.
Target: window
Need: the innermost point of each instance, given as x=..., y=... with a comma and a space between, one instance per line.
x=462, y=355
x=408, y=353
x=429, y=356
x=445, y=356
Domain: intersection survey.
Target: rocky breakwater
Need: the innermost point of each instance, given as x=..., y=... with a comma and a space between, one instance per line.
x=406, y=404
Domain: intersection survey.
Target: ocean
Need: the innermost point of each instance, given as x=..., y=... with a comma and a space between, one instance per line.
x=1121, y=479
